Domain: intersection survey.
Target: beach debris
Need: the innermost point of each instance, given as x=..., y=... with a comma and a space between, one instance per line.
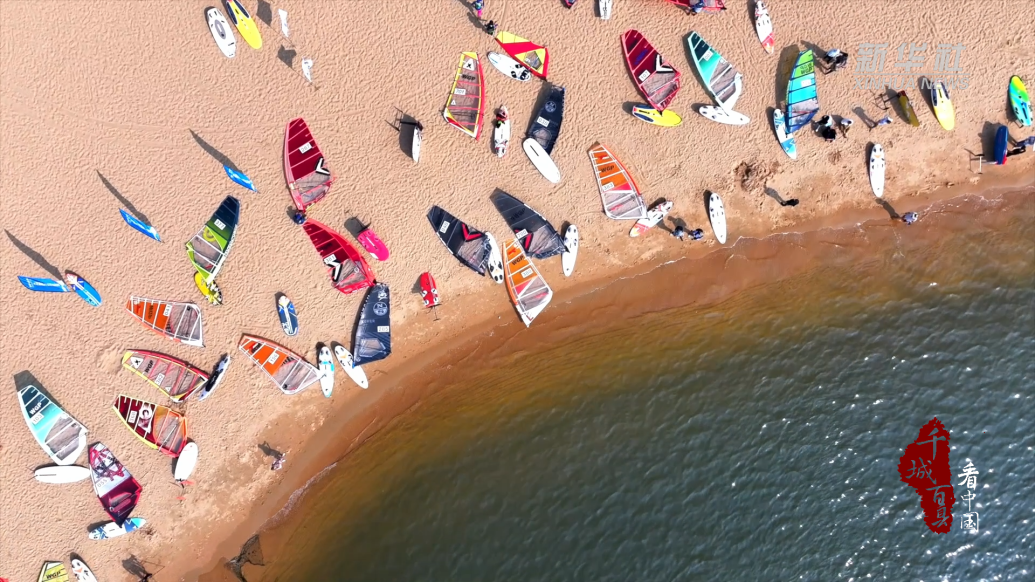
x=283, y=22
x=307, y=69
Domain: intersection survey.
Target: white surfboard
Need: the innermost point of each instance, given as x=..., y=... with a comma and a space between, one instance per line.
x=786, y=139
x=82, y=572
x=501, y=136
x=355, y=372
x=571, y=246
x=764, y=26
x=326, y=363
x=720, y=115
x=186, y=462
x=494, y=262
x=110, y=530
x=717, y=216
x=605, y=9
x=510, y=67
x=216, y=377
x=60, y=474
x=541, y=160
x=221, y=32
x=877, y=166
x=654, y=216
x=417, y=138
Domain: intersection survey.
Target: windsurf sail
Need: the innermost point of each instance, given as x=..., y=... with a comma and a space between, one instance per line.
x=706, y=5
x=546, y=127
x=176, y=378
x=308, y=176
x=373, y=339
x=209, y=248
x=802, y=99
x=722, y=80
x=528, y=291
x=533, y=56
x=618, y=191
x=656, y=78
x=62, y=437
x=468, y=244
x=239, y=178
x=116, y=488
x=288, y=370
x=537, y=237
x=158, y=426
x=140, y=225
x=177, y=321
x=465, y=107
x=348, y=270
x=43, y=284
x=53, y=572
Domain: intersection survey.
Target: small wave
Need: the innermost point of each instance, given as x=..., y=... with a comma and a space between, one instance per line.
x=296, y=496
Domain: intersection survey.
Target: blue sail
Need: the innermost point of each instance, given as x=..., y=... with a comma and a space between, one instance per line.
x=802, y=99
x=240, y=178
x=44, y=285
x=147, y=229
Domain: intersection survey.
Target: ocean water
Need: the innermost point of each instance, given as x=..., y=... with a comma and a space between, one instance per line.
x=754, y=439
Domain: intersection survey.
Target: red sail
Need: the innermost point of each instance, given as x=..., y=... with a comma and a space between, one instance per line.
x=115, y=487
x=656, y=78
x=348, y=271
x=158, y=426
x=308, y=176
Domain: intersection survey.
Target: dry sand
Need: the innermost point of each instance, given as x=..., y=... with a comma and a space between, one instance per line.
x=142, y=97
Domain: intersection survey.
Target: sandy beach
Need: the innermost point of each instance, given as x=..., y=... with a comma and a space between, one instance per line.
x=141, y=111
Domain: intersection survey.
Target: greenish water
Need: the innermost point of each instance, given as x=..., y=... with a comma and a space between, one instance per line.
x=756, y=439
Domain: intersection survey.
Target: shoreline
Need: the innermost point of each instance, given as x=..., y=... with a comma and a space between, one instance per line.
x=351, y=429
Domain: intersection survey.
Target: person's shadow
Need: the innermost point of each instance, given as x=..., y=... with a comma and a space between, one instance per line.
x=676, y=223
x=887, y=208
x=269, y=451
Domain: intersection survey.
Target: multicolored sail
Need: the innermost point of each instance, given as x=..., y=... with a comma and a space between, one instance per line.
x=62, y=437
x=469, y=245
x=308, y=176
x=175, y=320
x=618, y=191
x=533, y=56
x=175, y=378
x=53, y=572
x=537, y=237
x=706, y=5
x=160, y=427
x=465, y=107
x=115, y=487
x=373, y=339
x=802, y=99
x=288, y=370
x=348, y=270
x=208, y=249
x=657, y=80
x=528, y=291
x=722, y=80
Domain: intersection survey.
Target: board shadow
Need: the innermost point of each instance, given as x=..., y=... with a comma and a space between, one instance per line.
x=36, y=257
x=923, y=85
x=416, y=286
x=355, y=226
x=123, y=200
x=216, y=154
x=861, y=114
x=987, y=137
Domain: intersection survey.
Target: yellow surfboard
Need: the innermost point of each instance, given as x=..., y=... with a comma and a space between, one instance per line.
x=942, y=105
x=666, y=118
x=244, y=23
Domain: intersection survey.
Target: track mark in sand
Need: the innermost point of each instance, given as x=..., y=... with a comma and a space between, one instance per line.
x=110, y=359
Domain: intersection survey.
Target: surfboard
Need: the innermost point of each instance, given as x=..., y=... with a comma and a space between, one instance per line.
x=286, y=312
x=501, y=132
x=418, y=137
x=655, y=215
x=666, y=118
x=186, y=462
x=907, y=108
x=43, y=284
x=215, y=378
x=326, y=365
x=355, y=372
x=110, y=530
x=82, y=572
x=494, y=262
x=62, y=437
x=717, y=216
x=1019, y=101
x=605, y=9
x=942, y=105
x=571, y=250
x=786, y=139
x=373, y=245
x=877, y=166
x=221, y=33
x=61, y=474
x=140, y=226
x=541, y=160
x=764, y=26
x=720, y=115
x=83, y=289
x=1002, y=139
x=510, y=67
x=244, y=23
x=429, y=290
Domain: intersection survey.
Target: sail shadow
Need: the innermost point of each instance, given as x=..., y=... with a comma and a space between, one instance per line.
x=287, y=56
x=123, y=200
x=36, y=257
x=264, y=12
x=216, y=154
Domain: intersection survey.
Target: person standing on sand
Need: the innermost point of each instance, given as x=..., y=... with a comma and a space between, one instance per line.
x=679, y=232
x=791, y=202
x=910, y=217
x=885, y=121
x=846, y=124
x=490, y=28
x=1029, y=142
x=696, y=234
x=278, y=463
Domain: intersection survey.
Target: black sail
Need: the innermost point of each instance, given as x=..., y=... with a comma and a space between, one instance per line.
x=469, y=245
x=537, y=236
x=373, y=340
x=546, y=125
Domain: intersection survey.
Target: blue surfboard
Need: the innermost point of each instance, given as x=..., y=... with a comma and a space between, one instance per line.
x=240, y=178
x=147, y=229
x=1002, y=136
x=44, y=285
x=286, y=311
x=83, y=288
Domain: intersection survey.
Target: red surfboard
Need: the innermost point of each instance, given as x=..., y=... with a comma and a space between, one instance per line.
x=429, y=291
x=373, y=244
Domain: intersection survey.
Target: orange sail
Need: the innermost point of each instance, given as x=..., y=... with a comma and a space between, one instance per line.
x=528, y=291
x=621, y=197
x=177, y=321
x=158, y=426
x=288, y=370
